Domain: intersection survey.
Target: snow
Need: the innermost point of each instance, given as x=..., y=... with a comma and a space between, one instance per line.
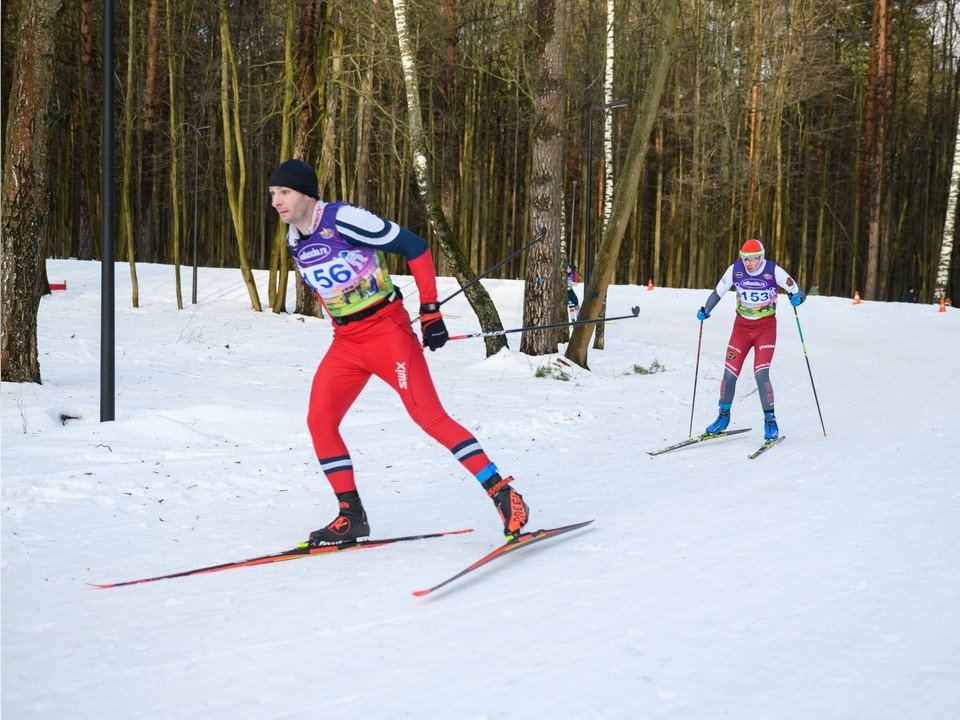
x=818, y=581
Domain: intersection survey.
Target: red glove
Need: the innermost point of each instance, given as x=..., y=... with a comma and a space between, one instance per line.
x=432, y=326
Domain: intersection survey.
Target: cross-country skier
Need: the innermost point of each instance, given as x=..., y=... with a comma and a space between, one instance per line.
x=573, y=302
x=372, y=335
x=755, y=326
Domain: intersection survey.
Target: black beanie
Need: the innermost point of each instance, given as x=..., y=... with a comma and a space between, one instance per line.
x=296, y=175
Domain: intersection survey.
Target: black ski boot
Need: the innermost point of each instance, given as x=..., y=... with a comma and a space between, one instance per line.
x=513, y=510
x=350, y=524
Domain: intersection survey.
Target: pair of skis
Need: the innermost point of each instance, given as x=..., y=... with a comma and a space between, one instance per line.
x=767, y=444
x=303, y=550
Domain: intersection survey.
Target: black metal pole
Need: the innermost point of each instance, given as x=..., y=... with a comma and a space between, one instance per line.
x=809, y=371
x=108, y=239
x=696, y=374
x=196, y=196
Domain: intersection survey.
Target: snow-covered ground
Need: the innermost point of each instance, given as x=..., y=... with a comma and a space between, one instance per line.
x=821, y=580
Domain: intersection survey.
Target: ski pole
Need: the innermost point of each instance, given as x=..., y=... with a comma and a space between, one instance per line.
x=696, y=374
x=635, y=310
x=809, y=371
x=541, y=234
x=536, y=238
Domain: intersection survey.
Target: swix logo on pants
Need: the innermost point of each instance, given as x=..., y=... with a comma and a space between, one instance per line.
x=402, y=375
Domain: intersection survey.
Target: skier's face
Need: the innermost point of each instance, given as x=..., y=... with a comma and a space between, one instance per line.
x=292, y=206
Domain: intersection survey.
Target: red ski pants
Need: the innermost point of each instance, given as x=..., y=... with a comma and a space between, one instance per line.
x=384, y=345
x=761, y=335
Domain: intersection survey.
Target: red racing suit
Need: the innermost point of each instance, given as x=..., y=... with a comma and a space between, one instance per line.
x=755, y=325
x=342, y=259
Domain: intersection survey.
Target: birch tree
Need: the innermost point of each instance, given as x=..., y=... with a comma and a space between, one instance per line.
x=949, y=224
x=478, y=297
x=607, y=171
x=625, y=190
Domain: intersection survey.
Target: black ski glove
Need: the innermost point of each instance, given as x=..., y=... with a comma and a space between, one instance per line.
x=431, y=325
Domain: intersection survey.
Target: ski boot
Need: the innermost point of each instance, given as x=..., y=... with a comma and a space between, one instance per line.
x=351, y=524
x=513, y=510
x=770, y=429
x=723, y=419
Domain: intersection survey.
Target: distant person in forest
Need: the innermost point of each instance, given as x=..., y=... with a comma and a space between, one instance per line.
x=909, y=295
x=573, y=302
x=756, y=280
x=372, y=335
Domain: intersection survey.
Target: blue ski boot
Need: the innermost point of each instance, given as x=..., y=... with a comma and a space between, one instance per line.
x=723, y=419
x=770, y=429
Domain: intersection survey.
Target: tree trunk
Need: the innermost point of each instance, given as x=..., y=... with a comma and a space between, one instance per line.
x=543, y=296
x=625, y=193
x=949, y=224
x=26, y=189
x=880, y=81
x=89, y=100
x=478, y=297
x=365, y=104
x=176, y=153
x=234, y=168
x=277, y=277
x=126, y=209
x=753, y=157
x=149, y=250
x=606, y=172
x=308, y=303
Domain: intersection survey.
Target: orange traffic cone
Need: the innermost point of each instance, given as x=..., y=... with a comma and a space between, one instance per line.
x=943, y=305
x=649, y=285
x=856, y=298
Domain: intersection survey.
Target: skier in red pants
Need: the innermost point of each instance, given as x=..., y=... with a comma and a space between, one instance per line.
x=339, y=251
x=756, y=280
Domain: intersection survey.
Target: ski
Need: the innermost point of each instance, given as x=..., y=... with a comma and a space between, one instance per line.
x=519, y=542
x=699, y=439
x=302, y=550
x=766, y=446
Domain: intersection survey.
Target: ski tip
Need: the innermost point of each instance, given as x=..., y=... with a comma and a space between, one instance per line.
x=420, y=593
